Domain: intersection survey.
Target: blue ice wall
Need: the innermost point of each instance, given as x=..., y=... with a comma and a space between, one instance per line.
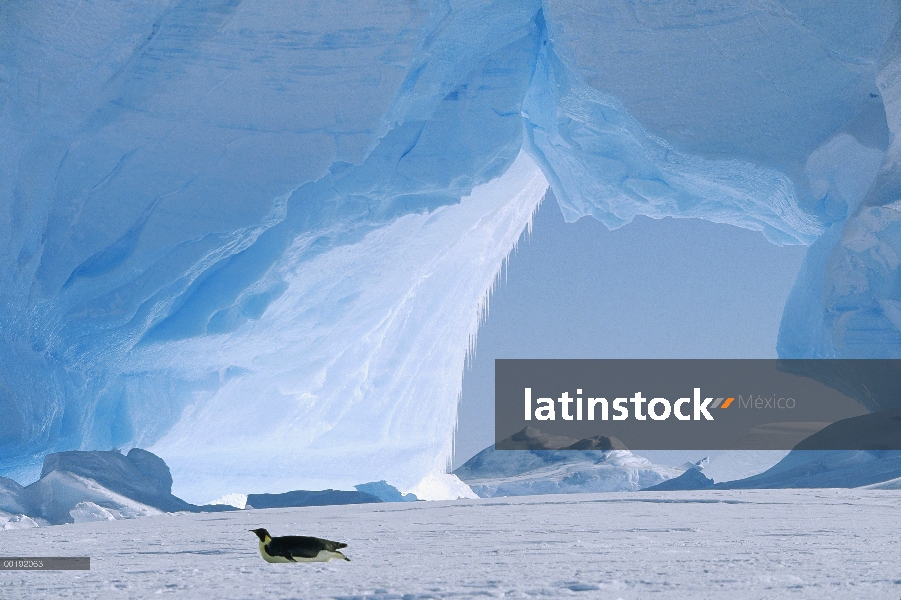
x=160, y=159
x=847, y=299
x=259, y=211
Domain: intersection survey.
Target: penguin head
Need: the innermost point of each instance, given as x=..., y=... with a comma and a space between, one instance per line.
x=262, y=534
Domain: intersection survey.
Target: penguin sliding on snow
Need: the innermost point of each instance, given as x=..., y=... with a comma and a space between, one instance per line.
x=297, y=548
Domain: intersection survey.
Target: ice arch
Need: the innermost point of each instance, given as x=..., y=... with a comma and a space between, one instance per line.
x=242, y=232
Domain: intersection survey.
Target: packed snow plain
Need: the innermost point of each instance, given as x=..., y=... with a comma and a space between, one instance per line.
x=822, y=543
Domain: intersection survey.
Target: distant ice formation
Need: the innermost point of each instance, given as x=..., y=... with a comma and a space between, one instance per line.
x=526, y=467
x=691, y=479
x=493, y=473
x=258, y=236
x=236, y=500
x=385, y=491
x=83, y=486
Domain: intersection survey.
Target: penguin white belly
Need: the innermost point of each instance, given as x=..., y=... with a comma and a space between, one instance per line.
x=323, y=556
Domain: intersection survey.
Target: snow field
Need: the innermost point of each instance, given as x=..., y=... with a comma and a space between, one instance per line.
x=727, y=544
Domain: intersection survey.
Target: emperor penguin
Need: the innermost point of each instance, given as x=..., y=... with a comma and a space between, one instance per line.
x=297, y=548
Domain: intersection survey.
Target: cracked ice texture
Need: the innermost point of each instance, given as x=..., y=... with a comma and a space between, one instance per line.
x=242, y=232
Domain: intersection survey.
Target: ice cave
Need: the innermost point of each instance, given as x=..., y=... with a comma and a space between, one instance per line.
x=256, y=237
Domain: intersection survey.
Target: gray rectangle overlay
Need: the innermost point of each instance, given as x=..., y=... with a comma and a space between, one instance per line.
x=45, y=563
x=698, y=404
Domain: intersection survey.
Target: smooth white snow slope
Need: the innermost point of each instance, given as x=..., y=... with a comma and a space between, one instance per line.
x=371, y=378
x=773, y=544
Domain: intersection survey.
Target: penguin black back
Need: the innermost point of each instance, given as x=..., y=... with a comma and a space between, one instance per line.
x=297, y=548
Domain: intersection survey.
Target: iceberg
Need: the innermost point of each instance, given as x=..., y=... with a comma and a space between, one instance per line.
x=846, y=301
x=12, y=497
x=258, y=237
x=691, y=479
x=385, y=492
x=83, y=486
x=526, y=466
x=494, y=473
x=309, y=498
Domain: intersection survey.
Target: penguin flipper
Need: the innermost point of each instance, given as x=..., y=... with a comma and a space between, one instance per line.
x=272, y=550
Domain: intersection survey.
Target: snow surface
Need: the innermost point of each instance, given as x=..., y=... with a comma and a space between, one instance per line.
x=695, y=545
x=257, y=237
